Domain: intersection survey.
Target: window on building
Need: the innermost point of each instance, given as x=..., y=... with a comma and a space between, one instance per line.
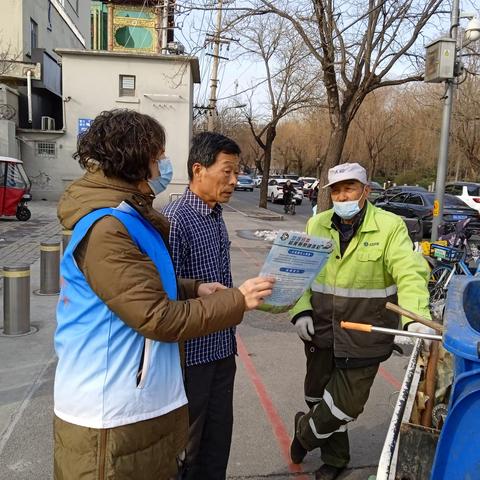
x=33, y=35
x=127, y=86
x=74, y=5
x=46, y=149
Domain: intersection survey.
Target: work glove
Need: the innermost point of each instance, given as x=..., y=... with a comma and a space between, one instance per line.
x=418, y=327
x=304, y=328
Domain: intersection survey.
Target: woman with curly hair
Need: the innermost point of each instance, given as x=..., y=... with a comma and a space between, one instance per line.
x=120, y=405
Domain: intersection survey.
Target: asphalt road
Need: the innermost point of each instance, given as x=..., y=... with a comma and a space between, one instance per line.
x=244, y=200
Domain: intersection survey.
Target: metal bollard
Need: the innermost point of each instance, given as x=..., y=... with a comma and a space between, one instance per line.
x=66, y=236
x=16, y=301
x=49, y=268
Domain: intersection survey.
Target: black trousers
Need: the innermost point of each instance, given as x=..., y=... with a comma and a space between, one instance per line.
x=209, y=390
x=336, y=397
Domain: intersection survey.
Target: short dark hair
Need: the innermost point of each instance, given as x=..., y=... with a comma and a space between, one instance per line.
x=205, y=148
x=122, y=143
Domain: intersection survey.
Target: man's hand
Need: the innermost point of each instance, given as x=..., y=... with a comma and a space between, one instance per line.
x=304, y=328
x=255, y=290
x=205, y=289
x=418, y=327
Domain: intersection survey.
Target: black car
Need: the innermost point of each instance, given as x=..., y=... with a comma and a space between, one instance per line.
x=392, y=191
x=376, y=191
x=419, y=204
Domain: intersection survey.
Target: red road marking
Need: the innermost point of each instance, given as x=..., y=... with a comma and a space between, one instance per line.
x=389, y=378
x=279, y=430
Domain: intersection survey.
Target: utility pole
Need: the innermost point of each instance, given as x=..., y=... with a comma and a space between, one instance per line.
x=165, y=27
x=216, y=40
x=442, y=165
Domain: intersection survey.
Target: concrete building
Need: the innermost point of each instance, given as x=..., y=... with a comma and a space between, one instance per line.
x=49, y=42
x=30, y=30
x=158, y=85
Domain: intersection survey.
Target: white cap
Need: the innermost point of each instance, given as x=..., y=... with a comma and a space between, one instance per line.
x=346, y=171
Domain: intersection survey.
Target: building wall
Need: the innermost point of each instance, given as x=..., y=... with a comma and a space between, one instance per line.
x=11, y=21
x=164, y=90
x=54, y=30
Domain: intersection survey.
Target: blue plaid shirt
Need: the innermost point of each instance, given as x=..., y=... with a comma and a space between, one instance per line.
x=201, y=250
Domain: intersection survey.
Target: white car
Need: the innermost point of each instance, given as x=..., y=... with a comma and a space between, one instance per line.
x=468, y=192
x=275, y=190
x=257, y=181
x=307, y=183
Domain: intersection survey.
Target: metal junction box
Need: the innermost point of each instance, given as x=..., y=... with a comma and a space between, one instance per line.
x=440, y=60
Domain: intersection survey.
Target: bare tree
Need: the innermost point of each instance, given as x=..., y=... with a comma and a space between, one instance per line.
x=357, y=44
x=8, y=57
x=290, y=85
x=378, y=127
x=466, y=120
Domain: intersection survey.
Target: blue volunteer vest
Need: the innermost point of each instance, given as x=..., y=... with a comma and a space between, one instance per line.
x=108, y=374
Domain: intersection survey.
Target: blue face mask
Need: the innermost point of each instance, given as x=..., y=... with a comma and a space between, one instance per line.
x=160, y=183
x=347, y=210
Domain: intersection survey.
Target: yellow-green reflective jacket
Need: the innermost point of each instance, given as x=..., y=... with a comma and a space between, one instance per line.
x=378, y=266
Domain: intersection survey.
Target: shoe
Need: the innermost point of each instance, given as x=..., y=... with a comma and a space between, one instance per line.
x=297, y=451
x=328, y=472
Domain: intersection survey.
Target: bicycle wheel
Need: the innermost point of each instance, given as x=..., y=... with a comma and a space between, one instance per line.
x=436, y=283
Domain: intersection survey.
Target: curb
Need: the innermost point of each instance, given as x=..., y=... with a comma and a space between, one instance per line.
x=259, y=214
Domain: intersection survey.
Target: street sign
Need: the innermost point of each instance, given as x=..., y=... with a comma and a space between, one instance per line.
x=84, y=125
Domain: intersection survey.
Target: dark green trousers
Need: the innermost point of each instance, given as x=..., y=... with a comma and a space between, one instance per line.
x=335, y=396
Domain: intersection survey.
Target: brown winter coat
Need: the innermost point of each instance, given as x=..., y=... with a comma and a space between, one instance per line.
x=128, y=282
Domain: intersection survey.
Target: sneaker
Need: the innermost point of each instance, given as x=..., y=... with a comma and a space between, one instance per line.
x=328, y=472
x=297, y=451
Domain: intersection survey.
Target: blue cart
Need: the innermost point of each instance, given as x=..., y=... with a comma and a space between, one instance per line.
x=456, y=449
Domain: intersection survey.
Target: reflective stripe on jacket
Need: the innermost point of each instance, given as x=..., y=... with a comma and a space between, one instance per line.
x=378, y=266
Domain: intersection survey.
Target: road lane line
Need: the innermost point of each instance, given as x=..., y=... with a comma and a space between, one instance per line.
x=389, y=378
x=279, y=430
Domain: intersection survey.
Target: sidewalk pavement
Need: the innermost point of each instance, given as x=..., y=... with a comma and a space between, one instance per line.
x=268, y=390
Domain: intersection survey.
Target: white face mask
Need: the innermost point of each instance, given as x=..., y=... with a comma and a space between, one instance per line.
x=347, y=210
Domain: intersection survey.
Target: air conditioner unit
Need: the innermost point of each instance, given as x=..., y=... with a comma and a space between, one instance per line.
x=48, y=123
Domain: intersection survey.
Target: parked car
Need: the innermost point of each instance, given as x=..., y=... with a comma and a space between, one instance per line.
x=376, y=191
x=244, y=182
x=275, y=190
x=468, y=192
x=290, y=176
x=420, y=205
x=306, y=183
x=257, y=181
x=392, y=191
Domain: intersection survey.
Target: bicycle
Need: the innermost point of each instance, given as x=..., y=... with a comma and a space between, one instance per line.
x=453, y=260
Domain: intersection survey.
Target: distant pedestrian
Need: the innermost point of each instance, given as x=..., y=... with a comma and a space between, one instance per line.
x=201, y=249
x=119, y=401
x=313, y=194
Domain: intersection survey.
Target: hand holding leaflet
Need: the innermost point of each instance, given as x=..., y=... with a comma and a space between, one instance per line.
x=294, y=261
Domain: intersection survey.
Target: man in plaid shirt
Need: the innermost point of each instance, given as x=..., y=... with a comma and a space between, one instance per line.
x=200, y=248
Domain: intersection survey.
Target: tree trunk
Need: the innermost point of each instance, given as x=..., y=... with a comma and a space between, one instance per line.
x=267, y=160
x=332, y=158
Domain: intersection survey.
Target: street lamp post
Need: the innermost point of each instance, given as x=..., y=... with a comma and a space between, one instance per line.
x=444, y=135
x=472, y=34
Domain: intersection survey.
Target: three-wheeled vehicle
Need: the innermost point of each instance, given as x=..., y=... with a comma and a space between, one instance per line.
x=14, y=189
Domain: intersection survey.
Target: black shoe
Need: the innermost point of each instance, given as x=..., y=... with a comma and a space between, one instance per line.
x=297, y=451
x=328, y=472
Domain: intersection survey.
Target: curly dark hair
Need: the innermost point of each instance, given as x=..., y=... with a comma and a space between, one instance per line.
x=122, y=143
